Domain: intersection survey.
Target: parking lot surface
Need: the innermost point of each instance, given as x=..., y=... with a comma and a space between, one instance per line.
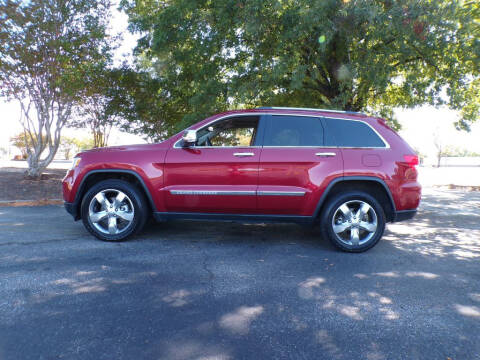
x=199, y=290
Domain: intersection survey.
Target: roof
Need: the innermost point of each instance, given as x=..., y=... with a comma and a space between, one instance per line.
x=310, y=109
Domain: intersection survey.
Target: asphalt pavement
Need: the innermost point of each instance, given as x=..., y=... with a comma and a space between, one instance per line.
x=200, y=290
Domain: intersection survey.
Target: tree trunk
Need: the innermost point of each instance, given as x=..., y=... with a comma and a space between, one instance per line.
x=36, y=166
x=97, y=138
x=35, y=169
x=100, y=136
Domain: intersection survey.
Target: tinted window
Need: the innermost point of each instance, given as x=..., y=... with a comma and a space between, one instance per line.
x=237, y=131
x=349, y=133
x=285, y=130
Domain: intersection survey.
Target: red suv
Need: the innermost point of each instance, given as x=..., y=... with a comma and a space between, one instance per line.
x=346, y=171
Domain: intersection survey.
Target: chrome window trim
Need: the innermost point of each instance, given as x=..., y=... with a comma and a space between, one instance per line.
x=220, y=147
x=214, y=121
x=387, y=145
x=385, y=142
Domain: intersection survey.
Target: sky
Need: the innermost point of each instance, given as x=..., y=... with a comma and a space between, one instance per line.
x=419, y=125
x=422, y=124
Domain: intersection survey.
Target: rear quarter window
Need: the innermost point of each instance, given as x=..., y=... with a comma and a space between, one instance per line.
x=351, y=133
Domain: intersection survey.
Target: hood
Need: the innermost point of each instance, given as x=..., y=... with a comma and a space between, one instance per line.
x=134, y=147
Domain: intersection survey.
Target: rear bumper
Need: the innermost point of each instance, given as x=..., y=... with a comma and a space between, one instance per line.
x=72, y=209
x=404, y=215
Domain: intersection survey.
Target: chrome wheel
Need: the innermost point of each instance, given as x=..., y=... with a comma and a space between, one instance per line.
x=111, y=211
x=354, y=223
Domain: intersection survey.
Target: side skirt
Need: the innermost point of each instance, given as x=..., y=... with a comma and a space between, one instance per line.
x=242, y=218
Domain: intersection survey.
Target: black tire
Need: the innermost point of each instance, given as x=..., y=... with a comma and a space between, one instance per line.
x=331, y=209
x=137, y=201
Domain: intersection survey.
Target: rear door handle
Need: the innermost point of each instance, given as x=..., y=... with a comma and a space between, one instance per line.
x=243, y=154
x=325, y=154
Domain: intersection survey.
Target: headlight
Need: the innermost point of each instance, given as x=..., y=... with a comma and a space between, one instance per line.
x=75, y=162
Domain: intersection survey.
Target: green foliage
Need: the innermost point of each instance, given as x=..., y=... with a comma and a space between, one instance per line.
x=363, y=55
x=67, y=145
x=48, y=50
x=454, y=151
x=98, y=108
x=84, y=143
x=57, y=43
x=139, y=104
x=21, y=141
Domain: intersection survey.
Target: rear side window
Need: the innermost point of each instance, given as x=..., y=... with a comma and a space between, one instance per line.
x=287, y=130
x=349, y=133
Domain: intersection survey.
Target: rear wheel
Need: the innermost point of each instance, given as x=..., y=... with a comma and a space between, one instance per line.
x=353, y=221
x=114, y=210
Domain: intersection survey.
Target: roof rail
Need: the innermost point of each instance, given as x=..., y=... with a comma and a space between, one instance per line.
x=310, y=109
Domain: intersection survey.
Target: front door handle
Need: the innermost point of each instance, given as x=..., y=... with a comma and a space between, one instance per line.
x=243, y=154
x=325, y=154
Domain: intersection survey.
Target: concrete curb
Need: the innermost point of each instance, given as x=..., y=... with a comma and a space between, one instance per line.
x=41, y=202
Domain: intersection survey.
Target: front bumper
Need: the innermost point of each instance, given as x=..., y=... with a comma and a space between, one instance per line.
x=72, y=209
x=404, y=215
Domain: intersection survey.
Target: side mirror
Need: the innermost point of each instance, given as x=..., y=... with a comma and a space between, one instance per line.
x=189, y=138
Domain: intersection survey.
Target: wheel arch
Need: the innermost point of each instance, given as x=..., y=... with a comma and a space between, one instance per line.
x=370, y=184
x=94, y=176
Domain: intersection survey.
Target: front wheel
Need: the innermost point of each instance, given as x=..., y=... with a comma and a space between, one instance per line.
x=113, y=210
x=353, y=221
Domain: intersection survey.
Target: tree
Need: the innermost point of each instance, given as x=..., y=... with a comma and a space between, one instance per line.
x=82, y=144
x=67, y=144
x=95, y=116
x=364, y=55
x=70, y=145
x=47, y=50
x=140, y=104
x=3, y=152
x=440, y=146
x=455, y=151
x=21, y=142
x=98, y=109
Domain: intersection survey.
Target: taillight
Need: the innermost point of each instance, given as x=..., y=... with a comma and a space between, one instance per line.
x=411, y=160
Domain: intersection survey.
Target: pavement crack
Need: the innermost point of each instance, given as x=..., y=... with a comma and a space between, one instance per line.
x=211, y=275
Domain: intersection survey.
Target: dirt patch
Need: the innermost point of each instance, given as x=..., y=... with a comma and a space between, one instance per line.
x=14, y=186
x=31, y=202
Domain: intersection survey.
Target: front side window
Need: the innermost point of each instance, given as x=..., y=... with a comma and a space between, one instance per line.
x=288, y=130
x=237, y=131
x=350, y=133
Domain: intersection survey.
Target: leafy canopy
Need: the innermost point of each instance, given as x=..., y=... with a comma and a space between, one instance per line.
x=361, y=55
x=139, y=103
x=97, y=109
x=48, y=49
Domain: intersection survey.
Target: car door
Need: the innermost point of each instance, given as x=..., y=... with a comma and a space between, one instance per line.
x=295, y=166
x=219, y=174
